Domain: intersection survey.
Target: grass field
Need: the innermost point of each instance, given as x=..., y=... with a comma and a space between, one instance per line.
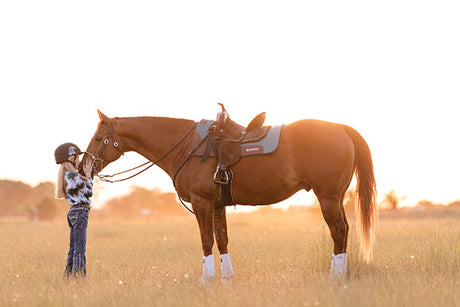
x=279, y=258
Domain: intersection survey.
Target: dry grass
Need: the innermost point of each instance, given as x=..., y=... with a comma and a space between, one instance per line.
x=280, y=259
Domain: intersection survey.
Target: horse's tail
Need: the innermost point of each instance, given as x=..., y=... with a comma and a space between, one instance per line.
x=366, y=188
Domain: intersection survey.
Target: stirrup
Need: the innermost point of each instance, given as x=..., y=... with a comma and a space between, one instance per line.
x=222, y=175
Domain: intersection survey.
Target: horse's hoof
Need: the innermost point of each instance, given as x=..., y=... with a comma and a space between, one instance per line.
x=204, y=281
x=227, y=281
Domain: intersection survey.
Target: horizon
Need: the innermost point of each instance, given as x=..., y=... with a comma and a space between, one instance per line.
x=389, y=70
x=99, y=203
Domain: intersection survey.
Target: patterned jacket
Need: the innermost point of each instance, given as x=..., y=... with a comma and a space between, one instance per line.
x=78, y=191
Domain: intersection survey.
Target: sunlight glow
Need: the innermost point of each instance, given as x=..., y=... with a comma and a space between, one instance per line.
x=390, y=70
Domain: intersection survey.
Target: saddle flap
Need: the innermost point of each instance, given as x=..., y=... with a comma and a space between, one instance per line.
x=229, y=153
x=257, y=122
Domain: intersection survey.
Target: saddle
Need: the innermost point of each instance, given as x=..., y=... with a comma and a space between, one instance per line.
x=225, y=140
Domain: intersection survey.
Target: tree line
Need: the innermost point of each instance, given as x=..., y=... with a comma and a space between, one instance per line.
x=18, y=199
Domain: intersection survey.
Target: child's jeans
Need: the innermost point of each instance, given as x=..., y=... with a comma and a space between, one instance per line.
x=77, y=218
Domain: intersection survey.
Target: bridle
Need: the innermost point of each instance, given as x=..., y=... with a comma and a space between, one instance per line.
x=100, y=156
x=148, y=164
x=107, y=141
x=110, y=138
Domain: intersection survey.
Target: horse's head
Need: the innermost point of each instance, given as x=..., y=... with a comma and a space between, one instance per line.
x=104, y=146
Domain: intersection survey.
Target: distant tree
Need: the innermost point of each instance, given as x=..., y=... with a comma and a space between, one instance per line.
x=44, y=188
x=454, y=204
x=20, y=199
x=391, y=200
x=13, y=197
x=47, y=209
x=425, y=203
x=142, y=201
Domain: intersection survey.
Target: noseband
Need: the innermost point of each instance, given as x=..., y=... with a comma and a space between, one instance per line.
x=107, y=141
x=100, y=155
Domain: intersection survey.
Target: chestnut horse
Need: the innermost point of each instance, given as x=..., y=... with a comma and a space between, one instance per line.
x=312, y=154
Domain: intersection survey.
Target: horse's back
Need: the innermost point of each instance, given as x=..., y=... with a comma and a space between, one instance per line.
x=311, y=136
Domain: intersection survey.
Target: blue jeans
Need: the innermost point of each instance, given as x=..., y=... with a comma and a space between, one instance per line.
x=77, y=218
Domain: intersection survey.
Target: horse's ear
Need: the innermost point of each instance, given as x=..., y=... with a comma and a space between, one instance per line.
x=102, y=116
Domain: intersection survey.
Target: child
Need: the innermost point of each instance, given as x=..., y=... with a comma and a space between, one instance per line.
x=77, y=190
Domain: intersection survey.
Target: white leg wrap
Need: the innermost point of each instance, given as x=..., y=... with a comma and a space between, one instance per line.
x=226, y=266
x=339, y=265
x=208, y=268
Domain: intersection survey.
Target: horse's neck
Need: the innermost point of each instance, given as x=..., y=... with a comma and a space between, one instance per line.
x=152, y=137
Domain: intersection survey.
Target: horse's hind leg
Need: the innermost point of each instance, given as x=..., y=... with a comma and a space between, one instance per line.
x=334, y=214
x=220, y=231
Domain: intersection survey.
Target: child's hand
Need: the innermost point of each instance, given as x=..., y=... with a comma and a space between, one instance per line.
x=87, y=168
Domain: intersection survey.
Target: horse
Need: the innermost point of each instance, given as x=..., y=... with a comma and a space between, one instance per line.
x=311, y=155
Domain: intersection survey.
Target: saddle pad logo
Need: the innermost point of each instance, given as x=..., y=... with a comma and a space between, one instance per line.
x=252, y=150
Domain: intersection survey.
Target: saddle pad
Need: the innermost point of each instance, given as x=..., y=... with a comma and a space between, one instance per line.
x=266, y=145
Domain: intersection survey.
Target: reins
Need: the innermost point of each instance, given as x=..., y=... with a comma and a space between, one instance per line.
x=187, y=158
x=152, y=163
x=104, y=177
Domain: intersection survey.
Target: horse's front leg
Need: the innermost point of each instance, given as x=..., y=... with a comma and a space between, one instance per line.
x=204, y=211
x=220, y=230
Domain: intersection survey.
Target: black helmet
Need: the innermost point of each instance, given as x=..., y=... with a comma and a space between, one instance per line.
x=64, y=151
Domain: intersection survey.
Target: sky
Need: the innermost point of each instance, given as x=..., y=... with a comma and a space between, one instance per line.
x=390, y=69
